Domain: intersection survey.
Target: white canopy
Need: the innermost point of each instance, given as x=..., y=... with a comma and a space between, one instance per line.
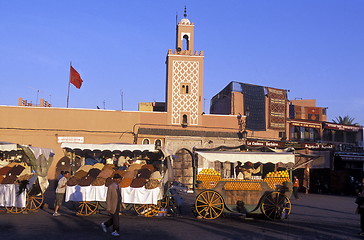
x=254, y=157
x=8, y=147
x=111, y=147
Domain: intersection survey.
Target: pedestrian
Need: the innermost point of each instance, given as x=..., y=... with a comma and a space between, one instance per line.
x=60, y=192
x=318, y=186
x=238, y=169
x=296, y=185
x=113, y=201
x=360, y=209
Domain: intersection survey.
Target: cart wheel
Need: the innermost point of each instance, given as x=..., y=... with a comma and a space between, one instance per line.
x=169, y=203
x=17, y=209
x=146, y=210
x=164, y=202
x=86, y=208
x=275, y=205
x=102, y=206
x=209, y=204
x=127, y=206
x=34, y=202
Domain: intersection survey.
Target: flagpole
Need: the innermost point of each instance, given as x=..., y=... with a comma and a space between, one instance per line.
x=69, y=84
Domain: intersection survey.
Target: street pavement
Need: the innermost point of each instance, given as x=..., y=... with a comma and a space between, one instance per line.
x=313, y=216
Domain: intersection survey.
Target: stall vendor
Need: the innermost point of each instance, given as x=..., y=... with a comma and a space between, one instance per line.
x=127, y=162
x=238, y=169
x=247, y=170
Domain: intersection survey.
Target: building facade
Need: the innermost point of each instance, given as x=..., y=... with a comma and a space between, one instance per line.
x=240, y=113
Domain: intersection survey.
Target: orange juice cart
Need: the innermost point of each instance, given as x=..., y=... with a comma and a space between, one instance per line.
x=217, y=194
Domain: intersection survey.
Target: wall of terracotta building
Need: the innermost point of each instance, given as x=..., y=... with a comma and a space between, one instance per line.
x=304, y=102
x=41, y=127
x=237, y=103
x=220, y=122
x=150, y=120
x=210, y=122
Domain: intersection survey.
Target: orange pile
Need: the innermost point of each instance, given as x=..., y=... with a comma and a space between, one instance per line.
x=273, y=181
x=240, y=184
x=209, y=178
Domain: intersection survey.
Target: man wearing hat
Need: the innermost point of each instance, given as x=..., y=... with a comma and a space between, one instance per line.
x=248, y=170
x=113, y=201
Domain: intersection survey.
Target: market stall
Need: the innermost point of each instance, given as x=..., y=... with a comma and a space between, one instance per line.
x=145, y=170
x=23, y=176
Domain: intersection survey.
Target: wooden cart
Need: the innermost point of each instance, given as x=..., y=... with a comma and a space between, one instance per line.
x=39, y=159
x=269, y=196
x=85, y=208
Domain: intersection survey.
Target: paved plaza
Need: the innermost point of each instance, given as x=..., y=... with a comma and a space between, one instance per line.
x=313, y=217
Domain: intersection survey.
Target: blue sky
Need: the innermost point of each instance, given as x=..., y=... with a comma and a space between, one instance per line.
x=314, y=48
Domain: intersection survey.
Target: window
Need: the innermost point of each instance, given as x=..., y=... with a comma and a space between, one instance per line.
x=316, y=135
x=297, y=133
x=282, y=135
x=186, y=43
x=158, y=143
x=306, y=134
x=184, y=119
x=327, y=135
x=185, y=88
x=146, y=141
x=339, y=136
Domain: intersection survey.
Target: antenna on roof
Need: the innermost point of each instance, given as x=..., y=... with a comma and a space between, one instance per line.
x=122, y=99
x=41, y=91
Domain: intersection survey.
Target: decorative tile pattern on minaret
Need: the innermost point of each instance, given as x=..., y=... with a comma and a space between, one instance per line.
x=185, y=72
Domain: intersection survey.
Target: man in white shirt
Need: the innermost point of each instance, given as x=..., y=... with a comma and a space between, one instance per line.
x=60, y=192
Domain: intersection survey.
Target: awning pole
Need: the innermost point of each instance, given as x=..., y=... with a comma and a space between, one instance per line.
x=73, y=155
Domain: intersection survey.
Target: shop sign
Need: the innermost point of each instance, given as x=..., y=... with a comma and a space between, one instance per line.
x=71, y=140
x=342, y=127
x=263, y=144
x=305, y=124
x=317, y=146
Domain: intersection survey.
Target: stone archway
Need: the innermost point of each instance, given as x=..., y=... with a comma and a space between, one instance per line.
x=183, y=167
x=63, y=164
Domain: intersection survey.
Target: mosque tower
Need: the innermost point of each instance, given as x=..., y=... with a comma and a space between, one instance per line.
x=184, y=89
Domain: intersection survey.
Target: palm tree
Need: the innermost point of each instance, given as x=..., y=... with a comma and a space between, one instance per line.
x=346, y=120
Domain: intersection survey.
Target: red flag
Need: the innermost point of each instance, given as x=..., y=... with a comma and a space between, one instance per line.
x=75, y=78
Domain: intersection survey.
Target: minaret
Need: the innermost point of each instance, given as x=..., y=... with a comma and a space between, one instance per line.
x=184, y=93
